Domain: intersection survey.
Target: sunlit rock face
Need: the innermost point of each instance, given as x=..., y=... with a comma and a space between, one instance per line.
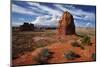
x=66, y=24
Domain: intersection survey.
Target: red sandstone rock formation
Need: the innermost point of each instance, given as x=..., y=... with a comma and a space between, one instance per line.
x=66, y=24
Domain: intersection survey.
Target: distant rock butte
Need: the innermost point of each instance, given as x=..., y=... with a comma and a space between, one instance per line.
x=27, y=27
x=66, y=24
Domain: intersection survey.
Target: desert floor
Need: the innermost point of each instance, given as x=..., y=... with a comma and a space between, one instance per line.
x=46, y=47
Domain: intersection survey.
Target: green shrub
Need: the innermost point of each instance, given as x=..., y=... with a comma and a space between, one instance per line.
x=76, y=44
x=45, y=52
x=43, y=56
x=71, y=55
x=94, y=56
x=86, y=40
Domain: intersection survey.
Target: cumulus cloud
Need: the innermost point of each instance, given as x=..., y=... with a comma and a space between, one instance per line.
x=40, y=19
x=43, y=20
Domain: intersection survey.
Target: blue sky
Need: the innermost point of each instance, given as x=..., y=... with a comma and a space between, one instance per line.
x=50, y=13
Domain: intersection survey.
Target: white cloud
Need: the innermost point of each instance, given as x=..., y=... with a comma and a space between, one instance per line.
x=43, y=20
x=54, y=14
x=78, y=24
x=37, y=10
x=77, y=13
x=46, y=9
x=40, y=20
x=16, y=24
x=88, y=24
x=21, y=19
x=21, y=10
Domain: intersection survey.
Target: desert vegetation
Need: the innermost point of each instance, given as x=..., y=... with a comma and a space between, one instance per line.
x=27, y=41
x=71, y=55
x=76, y=44
x=24, y=42
x=43, y=57
x=93, y=56
x=86, y=40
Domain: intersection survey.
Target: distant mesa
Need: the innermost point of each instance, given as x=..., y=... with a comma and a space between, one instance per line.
x=27, y=27
x=66, y=24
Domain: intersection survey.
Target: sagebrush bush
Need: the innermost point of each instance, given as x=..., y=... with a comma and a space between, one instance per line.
x=71, y=55
x=43, y=56
x=94, y=56
x=76, y=44
x=45, y=52
x=86, y=40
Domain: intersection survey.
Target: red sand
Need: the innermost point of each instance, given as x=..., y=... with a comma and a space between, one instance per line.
x=58, y=57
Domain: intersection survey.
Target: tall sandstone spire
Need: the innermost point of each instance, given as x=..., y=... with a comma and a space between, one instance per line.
x=66, y=24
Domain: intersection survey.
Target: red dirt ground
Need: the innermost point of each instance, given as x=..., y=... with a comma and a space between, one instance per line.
x=59, y=49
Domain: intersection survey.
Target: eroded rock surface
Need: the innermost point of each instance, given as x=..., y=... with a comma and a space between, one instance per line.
x=66, y=24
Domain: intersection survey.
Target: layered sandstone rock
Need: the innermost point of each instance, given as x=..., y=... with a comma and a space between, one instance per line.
x=66, y=24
